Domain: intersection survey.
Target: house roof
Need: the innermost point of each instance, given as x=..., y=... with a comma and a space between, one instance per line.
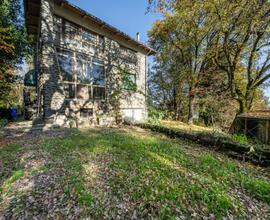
x=262, y=114
x=32, y=13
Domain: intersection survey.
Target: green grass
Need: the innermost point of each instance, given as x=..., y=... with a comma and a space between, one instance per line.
x=156, y=176
x=10, y=169
x=9, y=159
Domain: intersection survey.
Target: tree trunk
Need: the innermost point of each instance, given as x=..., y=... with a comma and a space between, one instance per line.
x=243, y=106
x=245, y=103
x=191, y=106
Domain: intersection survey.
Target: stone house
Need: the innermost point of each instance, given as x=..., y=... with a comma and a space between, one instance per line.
x=88, y=72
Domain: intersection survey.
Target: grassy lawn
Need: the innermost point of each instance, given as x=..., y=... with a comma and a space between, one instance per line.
x=127, y=173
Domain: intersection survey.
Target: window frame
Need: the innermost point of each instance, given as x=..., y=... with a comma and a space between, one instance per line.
x=135, y=81
x=60, y=51
x=78, y=35
x=99, y=44
x=76, y=82
x=94, y=62
x=89, y=41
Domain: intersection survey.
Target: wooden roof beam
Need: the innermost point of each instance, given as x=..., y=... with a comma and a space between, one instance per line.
x=35, y=4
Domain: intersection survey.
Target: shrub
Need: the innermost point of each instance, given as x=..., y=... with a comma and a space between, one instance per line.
x=3, y=122
x=155, y=115
x=240, y=138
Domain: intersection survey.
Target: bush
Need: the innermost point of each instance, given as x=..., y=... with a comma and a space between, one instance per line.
x=240, y=138
x=239, y=144
x=3, y=122
x=155, y=115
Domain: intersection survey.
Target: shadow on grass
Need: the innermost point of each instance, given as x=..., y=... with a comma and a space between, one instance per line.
x=108, y=173
x=10, y=168
x=9, y=161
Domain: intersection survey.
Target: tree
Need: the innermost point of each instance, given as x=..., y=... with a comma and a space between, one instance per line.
x=230, y=37
x=14, y=44
x=160, y=5
x=184, y=37
x=216, y=107
x=243, y=41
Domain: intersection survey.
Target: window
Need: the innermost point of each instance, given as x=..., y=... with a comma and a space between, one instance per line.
x=89, y=41
x=86, y=112
x=83, y=69
x=129, y=81
x=65, y=61
x=83, y=77
x=71, y=34
x=98, y=93
x=98, y=73
x=98, y=79
x=69, y=90
x=128, y=55
x=82, y=92
x=89, y=37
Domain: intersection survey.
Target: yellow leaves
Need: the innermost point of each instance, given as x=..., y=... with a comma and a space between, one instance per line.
x=5, y=46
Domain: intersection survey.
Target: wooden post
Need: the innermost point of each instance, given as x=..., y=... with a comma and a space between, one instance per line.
x=267, y=132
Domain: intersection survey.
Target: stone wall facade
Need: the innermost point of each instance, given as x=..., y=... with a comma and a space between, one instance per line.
x=115, y=56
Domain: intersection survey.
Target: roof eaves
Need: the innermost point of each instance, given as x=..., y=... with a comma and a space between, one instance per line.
x=253, y=117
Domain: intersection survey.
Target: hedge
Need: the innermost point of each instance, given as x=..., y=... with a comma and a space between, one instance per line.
x=246, y=152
